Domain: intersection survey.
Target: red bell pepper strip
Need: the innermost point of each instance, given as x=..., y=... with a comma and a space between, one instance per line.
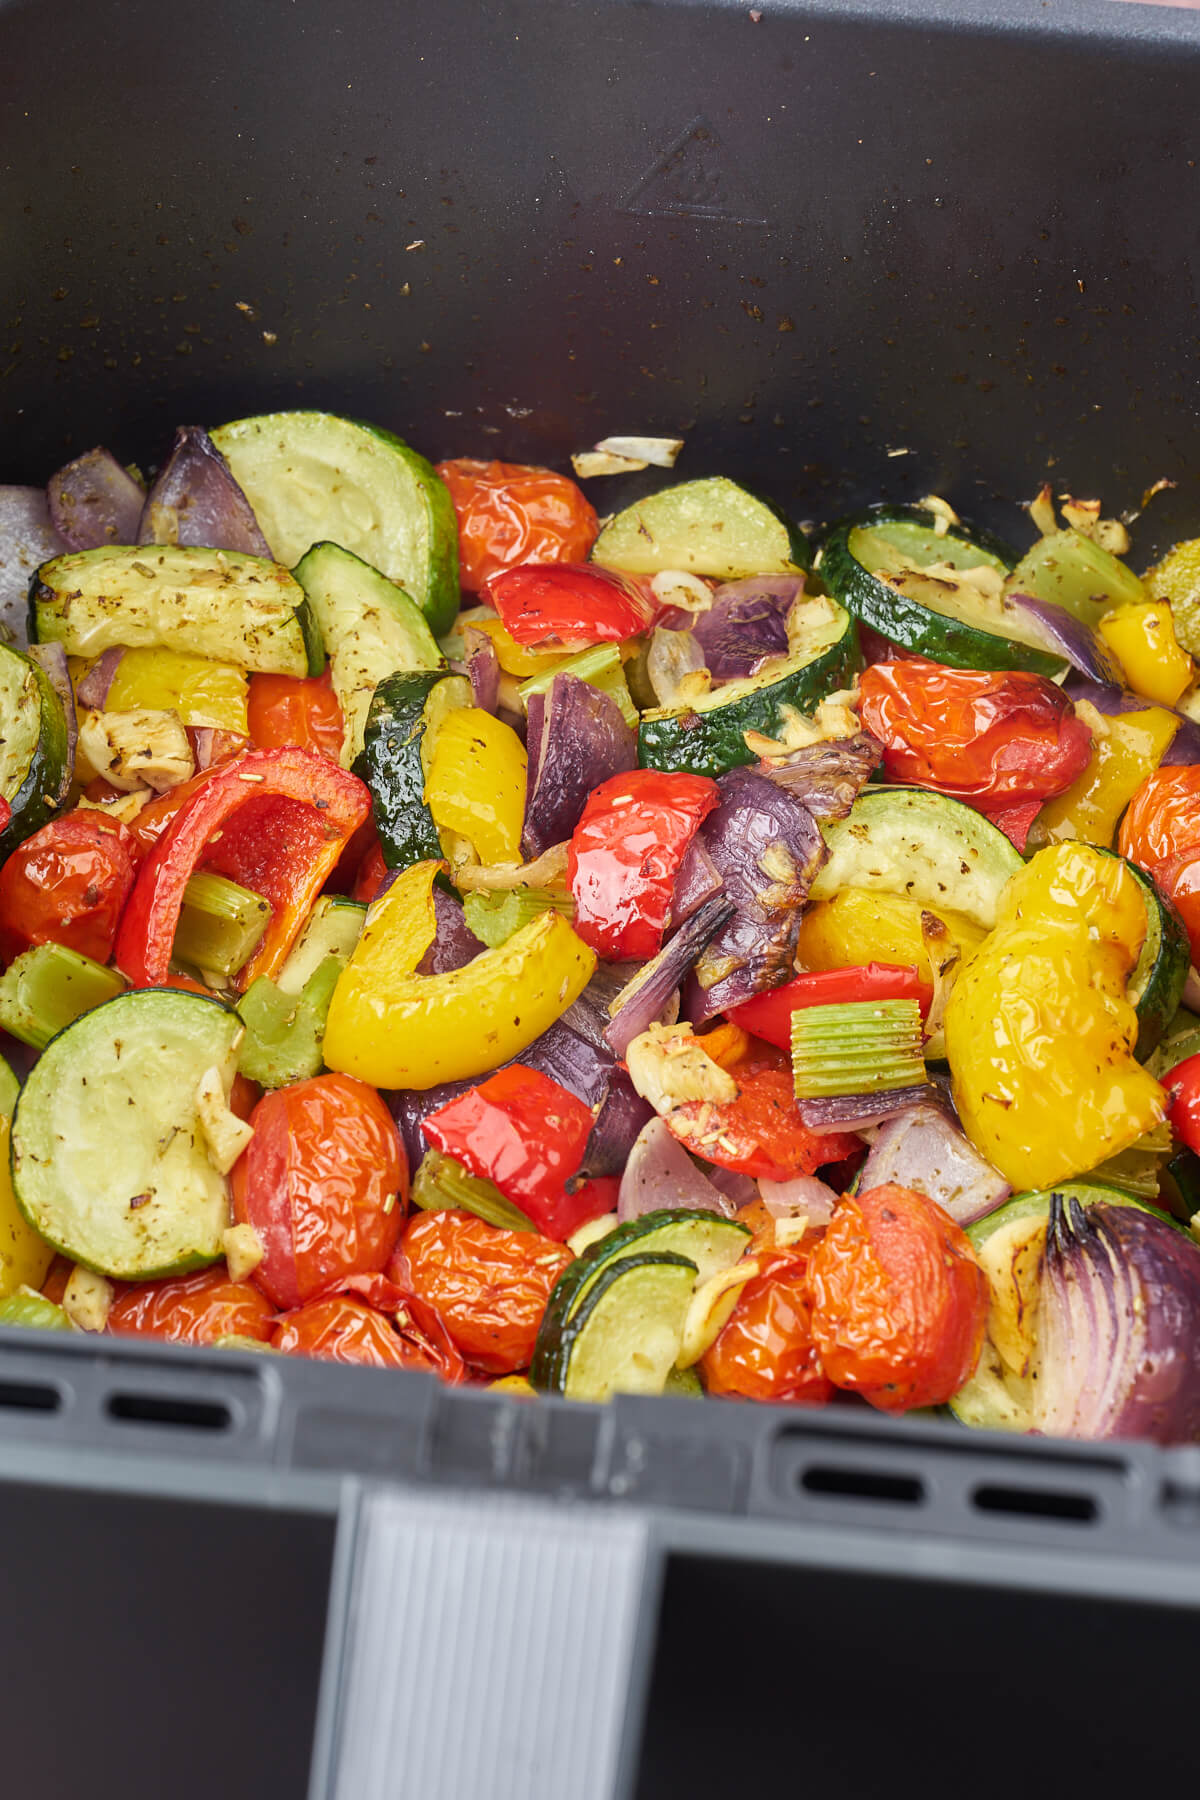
x=769, y=1015
x=276, y=821
x=527, y=1134
x=625, y=854
x=574, y=601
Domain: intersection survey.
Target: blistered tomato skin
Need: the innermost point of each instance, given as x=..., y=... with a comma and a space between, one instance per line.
x=765, y=1351
x=324, y=1183
x=579, y=604
x=511, y=513
x=761, y=1133
x=1183, y=1095
x=625, y=854
x=345, y=1330
x=899, y=1301
x=1161, y=834
x=192, y=1309
x=67, y=884
x=489, y=1286
x=998, y=740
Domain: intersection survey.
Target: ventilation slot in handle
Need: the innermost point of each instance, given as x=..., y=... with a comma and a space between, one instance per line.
x=863, y=1484
x=29, y=1396
x=168, y=1409
x=1037, y=1503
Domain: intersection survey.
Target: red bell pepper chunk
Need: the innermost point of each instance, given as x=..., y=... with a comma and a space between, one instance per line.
x=769, y=1015
x=625, y=854
x=526, y=1134
x=574, y=601
x=276, y=821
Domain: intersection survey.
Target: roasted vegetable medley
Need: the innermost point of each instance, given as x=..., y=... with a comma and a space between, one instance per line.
x=443, y=930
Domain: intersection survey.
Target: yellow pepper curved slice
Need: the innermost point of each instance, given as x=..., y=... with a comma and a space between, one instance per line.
x=397, y=1029
x=1039, y=1034
x=1125, y=749
x=1142, y=638
x=859, y=925
x=203, y=693
x=476, y=784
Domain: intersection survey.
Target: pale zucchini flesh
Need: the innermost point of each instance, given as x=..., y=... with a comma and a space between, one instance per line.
x=109, y=1160
x=709, y=527
x=218, y=604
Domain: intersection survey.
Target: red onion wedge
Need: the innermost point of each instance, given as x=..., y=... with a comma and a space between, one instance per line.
x=1069, y=637
x=1118, y=1352
x=642, y=1001
x=621, y=1117
x=746, y=624
x=766, y=847
x=1184, y=748
x=454, y=944
x=196, y=502
x=661, y=1175
x=696, y=882
x=857, y=1112
x=576, y=738
x=27, y=539
x=410, y=1107
x=93, y=689
x=482, y=668
x=921, y=1148
x=828, y=777
x=94, y=501
x=803, y=1194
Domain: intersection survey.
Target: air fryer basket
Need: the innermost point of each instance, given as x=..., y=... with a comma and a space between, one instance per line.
x=883, y=247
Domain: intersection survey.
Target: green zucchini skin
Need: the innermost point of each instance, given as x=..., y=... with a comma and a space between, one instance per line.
x=671, y=1274
x=709, y=740
x=1157, y=982
x=45, y=787
x=391, y=766
x=903, y=620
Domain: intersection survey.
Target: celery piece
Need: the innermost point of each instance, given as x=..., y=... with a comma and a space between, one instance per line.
x=859, y=1047
x=28, y=1308
x=220, y=924
x=284, y=1032
x=1074, y=572
x=49, y=987
x=494, y=917
x=442, y=1184
x=332, y=928
x=600, y=666
x=1136, y=1169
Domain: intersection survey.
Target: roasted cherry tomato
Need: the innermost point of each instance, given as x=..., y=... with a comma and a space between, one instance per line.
x=769, y=1015
x=527, y=1134
x=292, y=709
x=1161, y=834
x=765, y=1351
x=370, y=876
x=509, y=513
x=998, y=740
x=67, y=884
x=1183, y=1089
x=625, y=854
x=324, y=1182
x=341, y=1328
x=899, y=1301
x=761, y=1133
x=489, y=1286
x=577, y=603
x=192, y=1309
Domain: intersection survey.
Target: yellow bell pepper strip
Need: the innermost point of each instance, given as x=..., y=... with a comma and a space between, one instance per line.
x=203, y=693
x=1142, y=638
x=476, y=784
x=1039, y=1034
x=397, y=1029
x=857, y=927
x=521, y=660
x=1125, y=750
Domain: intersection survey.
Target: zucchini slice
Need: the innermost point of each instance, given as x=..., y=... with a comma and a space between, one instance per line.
x=1156, y=985
x=35, y=773
x=217, y=604
x=708, y=737
x=312, y=476
x=709, y=1241
x=923, y=846
x=711, y=527
x=877, y=565
x=626, y=1335
x=109, y=1158
x=332, y=928
x=1009, y=1244
x=402, y=724
x=371, y=629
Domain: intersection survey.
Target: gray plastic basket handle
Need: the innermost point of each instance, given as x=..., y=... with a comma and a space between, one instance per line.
x=485, y=1648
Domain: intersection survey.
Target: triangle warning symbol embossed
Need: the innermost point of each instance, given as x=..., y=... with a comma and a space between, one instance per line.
x=696, y=178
